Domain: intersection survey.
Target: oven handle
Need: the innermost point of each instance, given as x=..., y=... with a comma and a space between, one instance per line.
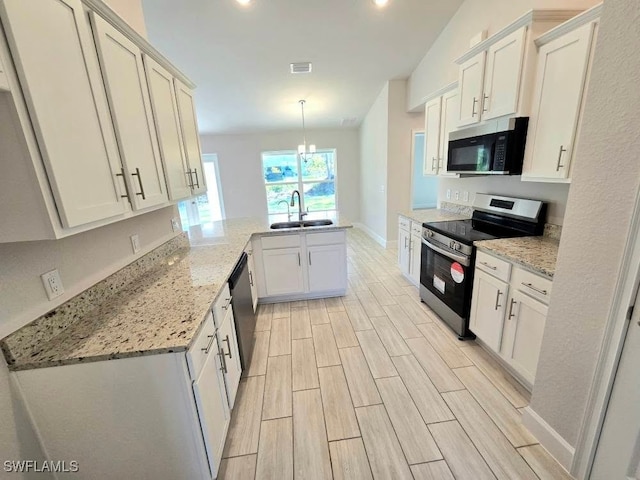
x=464, y=260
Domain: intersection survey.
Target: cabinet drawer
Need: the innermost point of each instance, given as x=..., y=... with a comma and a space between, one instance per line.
x=533, y=285
x=222, y=305
x=203, y=346
x=280, y=241
x=325, y=238
x=416, y=229
x=404, y=223
x=493, y=266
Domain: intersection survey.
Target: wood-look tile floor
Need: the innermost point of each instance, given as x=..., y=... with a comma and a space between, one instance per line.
x=374, y=385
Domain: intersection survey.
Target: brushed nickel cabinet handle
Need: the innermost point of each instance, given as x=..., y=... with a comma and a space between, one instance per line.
x=485, y=97
x=309, y=258
x=223, y=362
x=299, y=263
x=226, y=306
x=226, y=339
x=498, y=300
x=473, y=110
x=511, y=314
x=562, y=150
x=137, y=174
x=251, y=278
x=535, y=289
x=434, y=163
x=195, y=171
x=489, y=266
x=126, y=188
x=207, y=349
x=189, y=174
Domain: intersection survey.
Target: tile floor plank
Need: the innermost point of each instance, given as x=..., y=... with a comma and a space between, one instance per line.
x=264, y=317
x=281, y=310
x=277, y=388
x=357, y=316
x=381, y=444
x=310, y=447
x=334, y=304
x=325, y=346
x=381, y=294
x=437, y=370
x=342, y=330
x=300, y=323
x=449, y=351
x=543, y=464
x=244, y=429
x=305, y=372
x=280, y=341
x=390, y=337
x=424, y=394
x=275, y=458
x=508, y=386
x=375, y=354
x=318, y=314
x=459, y=452
x=406, y=328
x=339, y=415
x=506, y=417
x=432, y=471
x=238, y=468
x=299, y=304
x=349, y=460
x=392, y=285
x=416, y=441
x=496, y=450
x=258, y=365
x=370, y=304
x=416, y=314
x=359, y=380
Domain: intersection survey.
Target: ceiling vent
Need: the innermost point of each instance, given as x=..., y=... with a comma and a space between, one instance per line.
x=301, y=67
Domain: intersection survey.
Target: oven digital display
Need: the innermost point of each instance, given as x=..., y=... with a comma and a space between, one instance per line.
x=502, y=204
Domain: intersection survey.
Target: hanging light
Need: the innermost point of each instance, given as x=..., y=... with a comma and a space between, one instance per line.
x=304, y=153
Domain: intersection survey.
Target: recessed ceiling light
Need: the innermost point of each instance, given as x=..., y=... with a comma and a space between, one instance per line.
x=300, y=67
x=380, y=3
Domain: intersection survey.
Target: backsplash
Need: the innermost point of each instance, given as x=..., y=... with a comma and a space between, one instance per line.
x=552, y=231
x=456, y=208
x=49, y=325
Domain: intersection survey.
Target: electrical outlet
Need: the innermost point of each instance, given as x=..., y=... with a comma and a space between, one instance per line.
x=175, y=225
x=465, y=196
x=381, y=188
x=448, y=194
x=52, y=284
x=457, y=195
x=135, y=243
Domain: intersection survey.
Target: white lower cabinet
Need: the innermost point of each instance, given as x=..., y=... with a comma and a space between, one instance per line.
x=404, y=256
x=230, y=355
x=409, y=248
x=327, y=267
x=252, y=277
x=508, y=312
x=283, y=271
x=415, y=245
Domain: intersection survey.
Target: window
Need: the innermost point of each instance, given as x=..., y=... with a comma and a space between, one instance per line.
x=315, y=179
x=200, y=212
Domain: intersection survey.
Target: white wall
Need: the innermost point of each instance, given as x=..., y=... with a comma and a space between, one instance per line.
x=240, y=167
x=605, y=184
x=373, y=166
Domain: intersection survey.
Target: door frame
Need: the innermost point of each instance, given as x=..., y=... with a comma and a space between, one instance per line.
x=609, y=357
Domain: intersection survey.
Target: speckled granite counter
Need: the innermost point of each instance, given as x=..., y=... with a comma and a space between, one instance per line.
x=432, y=215
x=154, y=305
x=537, y=254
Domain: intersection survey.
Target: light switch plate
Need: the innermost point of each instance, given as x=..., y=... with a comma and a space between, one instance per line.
x=457, y=194
x=465, y=196
x=52, y=284
x=135, y=243
x=448, y=194
x=175, y=225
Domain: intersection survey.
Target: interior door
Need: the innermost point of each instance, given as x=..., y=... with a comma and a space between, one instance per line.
x=470, y=77
x=128, y=94
x=618, y=452
x=487, y=309
x=432, y=136
x=327, y=265
x=448, y=123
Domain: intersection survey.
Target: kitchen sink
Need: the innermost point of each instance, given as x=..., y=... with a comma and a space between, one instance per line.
x=304, y=223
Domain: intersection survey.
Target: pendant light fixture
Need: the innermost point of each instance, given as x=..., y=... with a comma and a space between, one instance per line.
x=305, y=154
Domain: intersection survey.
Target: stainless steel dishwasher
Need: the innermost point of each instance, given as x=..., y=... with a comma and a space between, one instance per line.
x=243, y=309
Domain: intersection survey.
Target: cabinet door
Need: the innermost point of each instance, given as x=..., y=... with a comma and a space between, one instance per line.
x=415, y=255
x=448, y=123
x=283, y=271
x=503, y=75
x=190, y=136
x=167, y=123
x=230, y=355
x=404, y=237
x=128, y=95
x=213, y=412
x=487, y=309
x=60, y=78
x=4, y=82
x=432, y=137
x=470, y=77
x=327, y=267
x=524, y=327
x=560, y=80
x=252, y=280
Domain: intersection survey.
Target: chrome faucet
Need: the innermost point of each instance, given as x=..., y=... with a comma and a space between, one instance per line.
x=288, y=209
x=293, y=204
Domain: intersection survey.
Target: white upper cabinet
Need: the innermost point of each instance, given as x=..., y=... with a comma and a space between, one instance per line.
x=61, y=83
x=432, y=136
x=190, y=137
x=470, y=78
x=503, y=72
x=4, y=81
x=563, y=66
x=448, y=123
x=128, y=95
x=167, y=122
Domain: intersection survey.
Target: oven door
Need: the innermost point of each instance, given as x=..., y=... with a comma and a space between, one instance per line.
x=447, y=274
x=472, y=155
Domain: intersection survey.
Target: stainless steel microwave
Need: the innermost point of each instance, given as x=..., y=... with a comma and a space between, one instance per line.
x=488, y=149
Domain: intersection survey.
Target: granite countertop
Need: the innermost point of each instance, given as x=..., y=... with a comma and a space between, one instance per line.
x=432, y=215
x=537, y=254
x=159, y=311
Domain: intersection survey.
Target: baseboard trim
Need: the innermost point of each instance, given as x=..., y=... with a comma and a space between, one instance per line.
x=551, y=440
x=371, y=233
x=302, y=296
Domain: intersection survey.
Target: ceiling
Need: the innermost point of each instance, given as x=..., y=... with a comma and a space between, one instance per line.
x=239, y=56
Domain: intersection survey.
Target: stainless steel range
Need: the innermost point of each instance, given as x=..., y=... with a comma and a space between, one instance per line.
x=448, y=254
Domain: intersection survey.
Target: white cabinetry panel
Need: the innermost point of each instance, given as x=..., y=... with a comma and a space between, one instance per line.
x=471, y=74
x=432, y=137
x=228, y=351
x=327, y=266
x=487, y=309
x=283, y=271
x=190, y=136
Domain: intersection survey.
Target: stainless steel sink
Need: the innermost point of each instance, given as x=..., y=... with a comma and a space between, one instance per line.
x=304, y=223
